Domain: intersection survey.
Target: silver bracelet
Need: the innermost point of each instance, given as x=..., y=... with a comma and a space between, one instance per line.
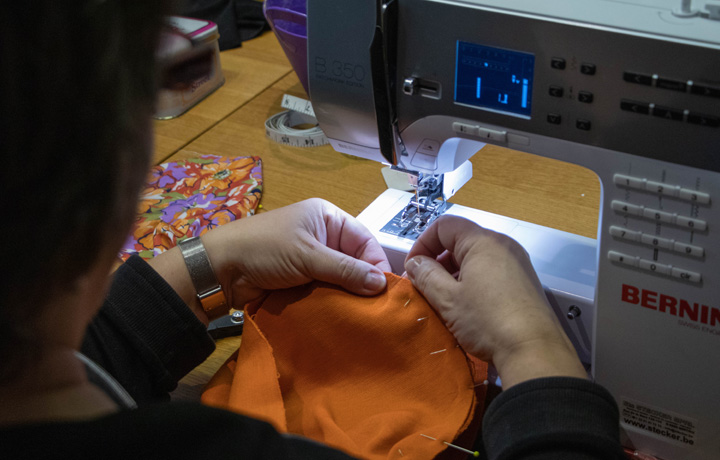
x=208, y=289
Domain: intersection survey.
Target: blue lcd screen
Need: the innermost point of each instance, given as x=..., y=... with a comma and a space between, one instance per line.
x=495, y=79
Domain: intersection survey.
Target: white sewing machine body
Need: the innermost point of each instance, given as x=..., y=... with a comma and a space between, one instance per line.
x=626, y=89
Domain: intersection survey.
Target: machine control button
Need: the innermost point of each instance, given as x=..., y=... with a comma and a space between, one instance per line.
x=500, y=136
x=585, y=96
x=655, y=214
x=635, y=107
x=518, y=139
x=694, y=195
x=588, y=69
x=624, y=233
x=429, y=147
x=554, y=118
x=583, y=124
x=653, y=266
x=557, y=63
x=410, y=86
x=667, y=113
x=464, y=128
x=656, y=241
x=627, y=208
x=638, y=78
x=693, y=224
x=662, y=189
x=574, y=312
x=424, y=161
x=660, y=216
x=674, y=85
x=688, y=249
x=629, y=181
x=703, y=90
x=555, y=91
x=686, y=275
x=704, y=120
x=619, y=257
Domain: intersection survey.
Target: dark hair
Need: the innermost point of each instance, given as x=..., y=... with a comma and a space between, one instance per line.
x=77, y=85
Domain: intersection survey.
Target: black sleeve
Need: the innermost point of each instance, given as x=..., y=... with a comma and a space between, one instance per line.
x=145, y=335
x=553, y=419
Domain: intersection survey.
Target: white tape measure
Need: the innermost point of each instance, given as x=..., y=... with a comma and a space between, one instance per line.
x=281, y=126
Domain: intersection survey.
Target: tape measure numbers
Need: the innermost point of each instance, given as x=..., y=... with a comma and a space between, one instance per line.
x=297, y=104
x=282, y=127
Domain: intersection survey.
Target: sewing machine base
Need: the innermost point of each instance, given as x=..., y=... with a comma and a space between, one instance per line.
x=566, y=263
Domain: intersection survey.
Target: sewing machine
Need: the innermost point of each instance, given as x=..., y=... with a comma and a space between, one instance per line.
x=629, y=89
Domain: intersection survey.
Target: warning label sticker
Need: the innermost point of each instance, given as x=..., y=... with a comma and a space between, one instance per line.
x=673, y=427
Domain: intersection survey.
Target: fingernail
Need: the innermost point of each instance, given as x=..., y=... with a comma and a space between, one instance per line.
x=412, y=265
x=375, y=281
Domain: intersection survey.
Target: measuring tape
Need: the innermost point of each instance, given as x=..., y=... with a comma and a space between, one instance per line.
x=280, y=127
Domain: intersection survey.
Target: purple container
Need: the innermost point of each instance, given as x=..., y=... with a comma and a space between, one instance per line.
x=288, y=19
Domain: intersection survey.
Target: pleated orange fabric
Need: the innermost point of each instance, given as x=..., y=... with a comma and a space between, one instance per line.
x=366, y=375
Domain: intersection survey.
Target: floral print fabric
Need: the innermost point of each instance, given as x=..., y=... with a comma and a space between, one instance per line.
x=189, y=197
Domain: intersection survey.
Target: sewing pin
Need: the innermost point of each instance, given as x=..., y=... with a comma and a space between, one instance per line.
x=474, y=453
x=439, y=351
x=401, y=454
x=423, y=318
x=406, y=303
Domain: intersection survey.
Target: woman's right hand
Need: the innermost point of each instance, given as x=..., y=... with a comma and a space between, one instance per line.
x=484, y=287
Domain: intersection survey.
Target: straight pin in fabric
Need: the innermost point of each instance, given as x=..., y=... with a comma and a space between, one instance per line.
x=474, y=453
x=484, y=383
x=406, y=303
x=401, y=454
x=423, y=318
x=439, y=351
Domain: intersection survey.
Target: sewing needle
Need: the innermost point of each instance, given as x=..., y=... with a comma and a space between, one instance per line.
x=417, y=201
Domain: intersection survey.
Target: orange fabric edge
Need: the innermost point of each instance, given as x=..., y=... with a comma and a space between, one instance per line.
x=254, y=356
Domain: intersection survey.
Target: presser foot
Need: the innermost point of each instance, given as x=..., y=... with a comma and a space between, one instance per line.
x=416, y=217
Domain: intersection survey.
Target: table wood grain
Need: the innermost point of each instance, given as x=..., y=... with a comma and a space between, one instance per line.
x=248, y=70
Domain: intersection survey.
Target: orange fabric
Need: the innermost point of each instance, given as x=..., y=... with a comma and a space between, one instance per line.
x=366, y=375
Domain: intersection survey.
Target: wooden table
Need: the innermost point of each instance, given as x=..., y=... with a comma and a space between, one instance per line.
x=515, y=184
x=248, y=70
